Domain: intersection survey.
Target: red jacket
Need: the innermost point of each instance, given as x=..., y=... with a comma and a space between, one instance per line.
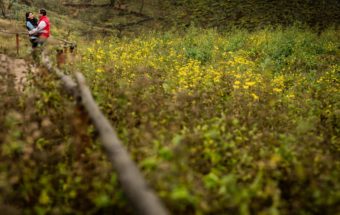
x=47, y=30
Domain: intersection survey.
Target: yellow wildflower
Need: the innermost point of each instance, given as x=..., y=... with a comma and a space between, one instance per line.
x=250, y=83
x=277, y=90
x=255, y=97
x=99, y=70
x=291, y=96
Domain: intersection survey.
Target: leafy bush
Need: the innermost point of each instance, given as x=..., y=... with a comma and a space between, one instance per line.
x=243, y=123
x=249, y=124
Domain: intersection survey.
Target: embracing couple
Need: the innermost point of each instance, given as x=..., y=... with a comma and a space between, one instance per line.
x=39, y=31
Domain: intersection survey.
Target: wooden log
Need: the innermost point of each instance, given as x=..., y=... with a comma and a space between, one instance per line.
x=131, y=179
x=68, y=84
x=61, y=58
x=26, y=34
x=17, y=43
x=142, y=198
x=10, y=32
x=84, y=5
x=64, y=41
x=118, y=8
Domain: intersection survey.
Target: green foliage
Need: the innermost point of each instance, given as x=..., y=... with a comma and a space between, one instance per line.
x=198, y=46
x=240, y=123
x=49, y=163
x=234, y=123
x=253, y=14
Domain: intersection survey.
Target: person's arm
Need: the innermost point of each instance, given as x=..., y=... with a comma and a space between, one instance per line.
x=29, y=26
x=38, y=29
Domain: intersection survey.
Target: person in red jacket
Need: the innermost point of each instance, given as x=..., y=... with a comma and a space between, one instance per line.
x=43, y=30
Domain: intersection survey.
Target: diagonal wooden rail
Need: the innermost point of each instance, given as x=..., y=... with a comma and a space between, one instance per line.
x=18, y=33
x=142, y=198
x=16, y=37
x=140, y=195
x=26, y=34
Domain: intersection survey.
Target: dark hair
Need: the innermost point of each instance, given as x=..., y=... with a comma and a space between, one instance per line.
x=33, y=21
x=43, y=12
x=27, y=15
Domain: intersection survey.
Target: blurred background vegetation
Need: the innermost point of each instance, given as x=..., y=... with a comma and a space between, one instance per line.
x=137, y=15
x=227, y=107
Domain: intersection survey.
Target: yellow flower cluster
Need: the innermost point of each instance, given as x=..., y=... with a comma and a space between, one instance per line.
x=194, y=75
x=278, y=84
x=240, y=63
x=247, y=84
x=190, y=75
x=236, y=73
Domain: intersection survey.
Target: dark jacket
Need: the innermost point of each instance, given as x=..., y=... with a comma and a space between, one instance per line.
x=31, y=24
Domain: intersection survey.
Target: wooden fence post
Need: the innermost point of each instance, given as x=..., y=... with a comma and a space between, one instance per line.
x=65, y=52
x=72, y=53
x=17, y=42
x=61, y=58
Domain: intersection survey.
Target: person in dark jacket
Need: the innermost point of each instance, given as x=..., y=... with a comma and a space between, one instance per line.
x=43, y=30
x=32, y=23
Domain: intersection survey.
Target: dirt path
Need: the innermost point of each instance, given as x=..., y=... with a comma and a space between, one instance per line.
x=19, y=68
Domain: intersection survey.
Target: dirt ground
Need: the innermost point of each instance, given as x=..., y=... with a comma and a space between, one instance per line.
x=18, y=68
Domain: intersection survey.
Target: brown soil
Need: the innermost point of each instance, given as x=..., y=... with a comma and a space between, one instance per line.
x=18, y=68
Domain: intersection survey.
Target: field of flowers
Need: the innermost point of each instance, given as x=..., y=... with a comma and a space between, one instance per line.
x=228, y=123
x=219, y=123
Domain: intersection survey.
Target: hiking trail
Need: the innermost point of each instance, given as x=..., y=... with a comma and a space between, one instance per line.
x=18, y=68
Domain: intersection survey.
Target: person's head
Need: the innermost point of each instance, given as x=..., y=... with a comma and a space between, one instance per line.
x=29, y=15
x=42, y=12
